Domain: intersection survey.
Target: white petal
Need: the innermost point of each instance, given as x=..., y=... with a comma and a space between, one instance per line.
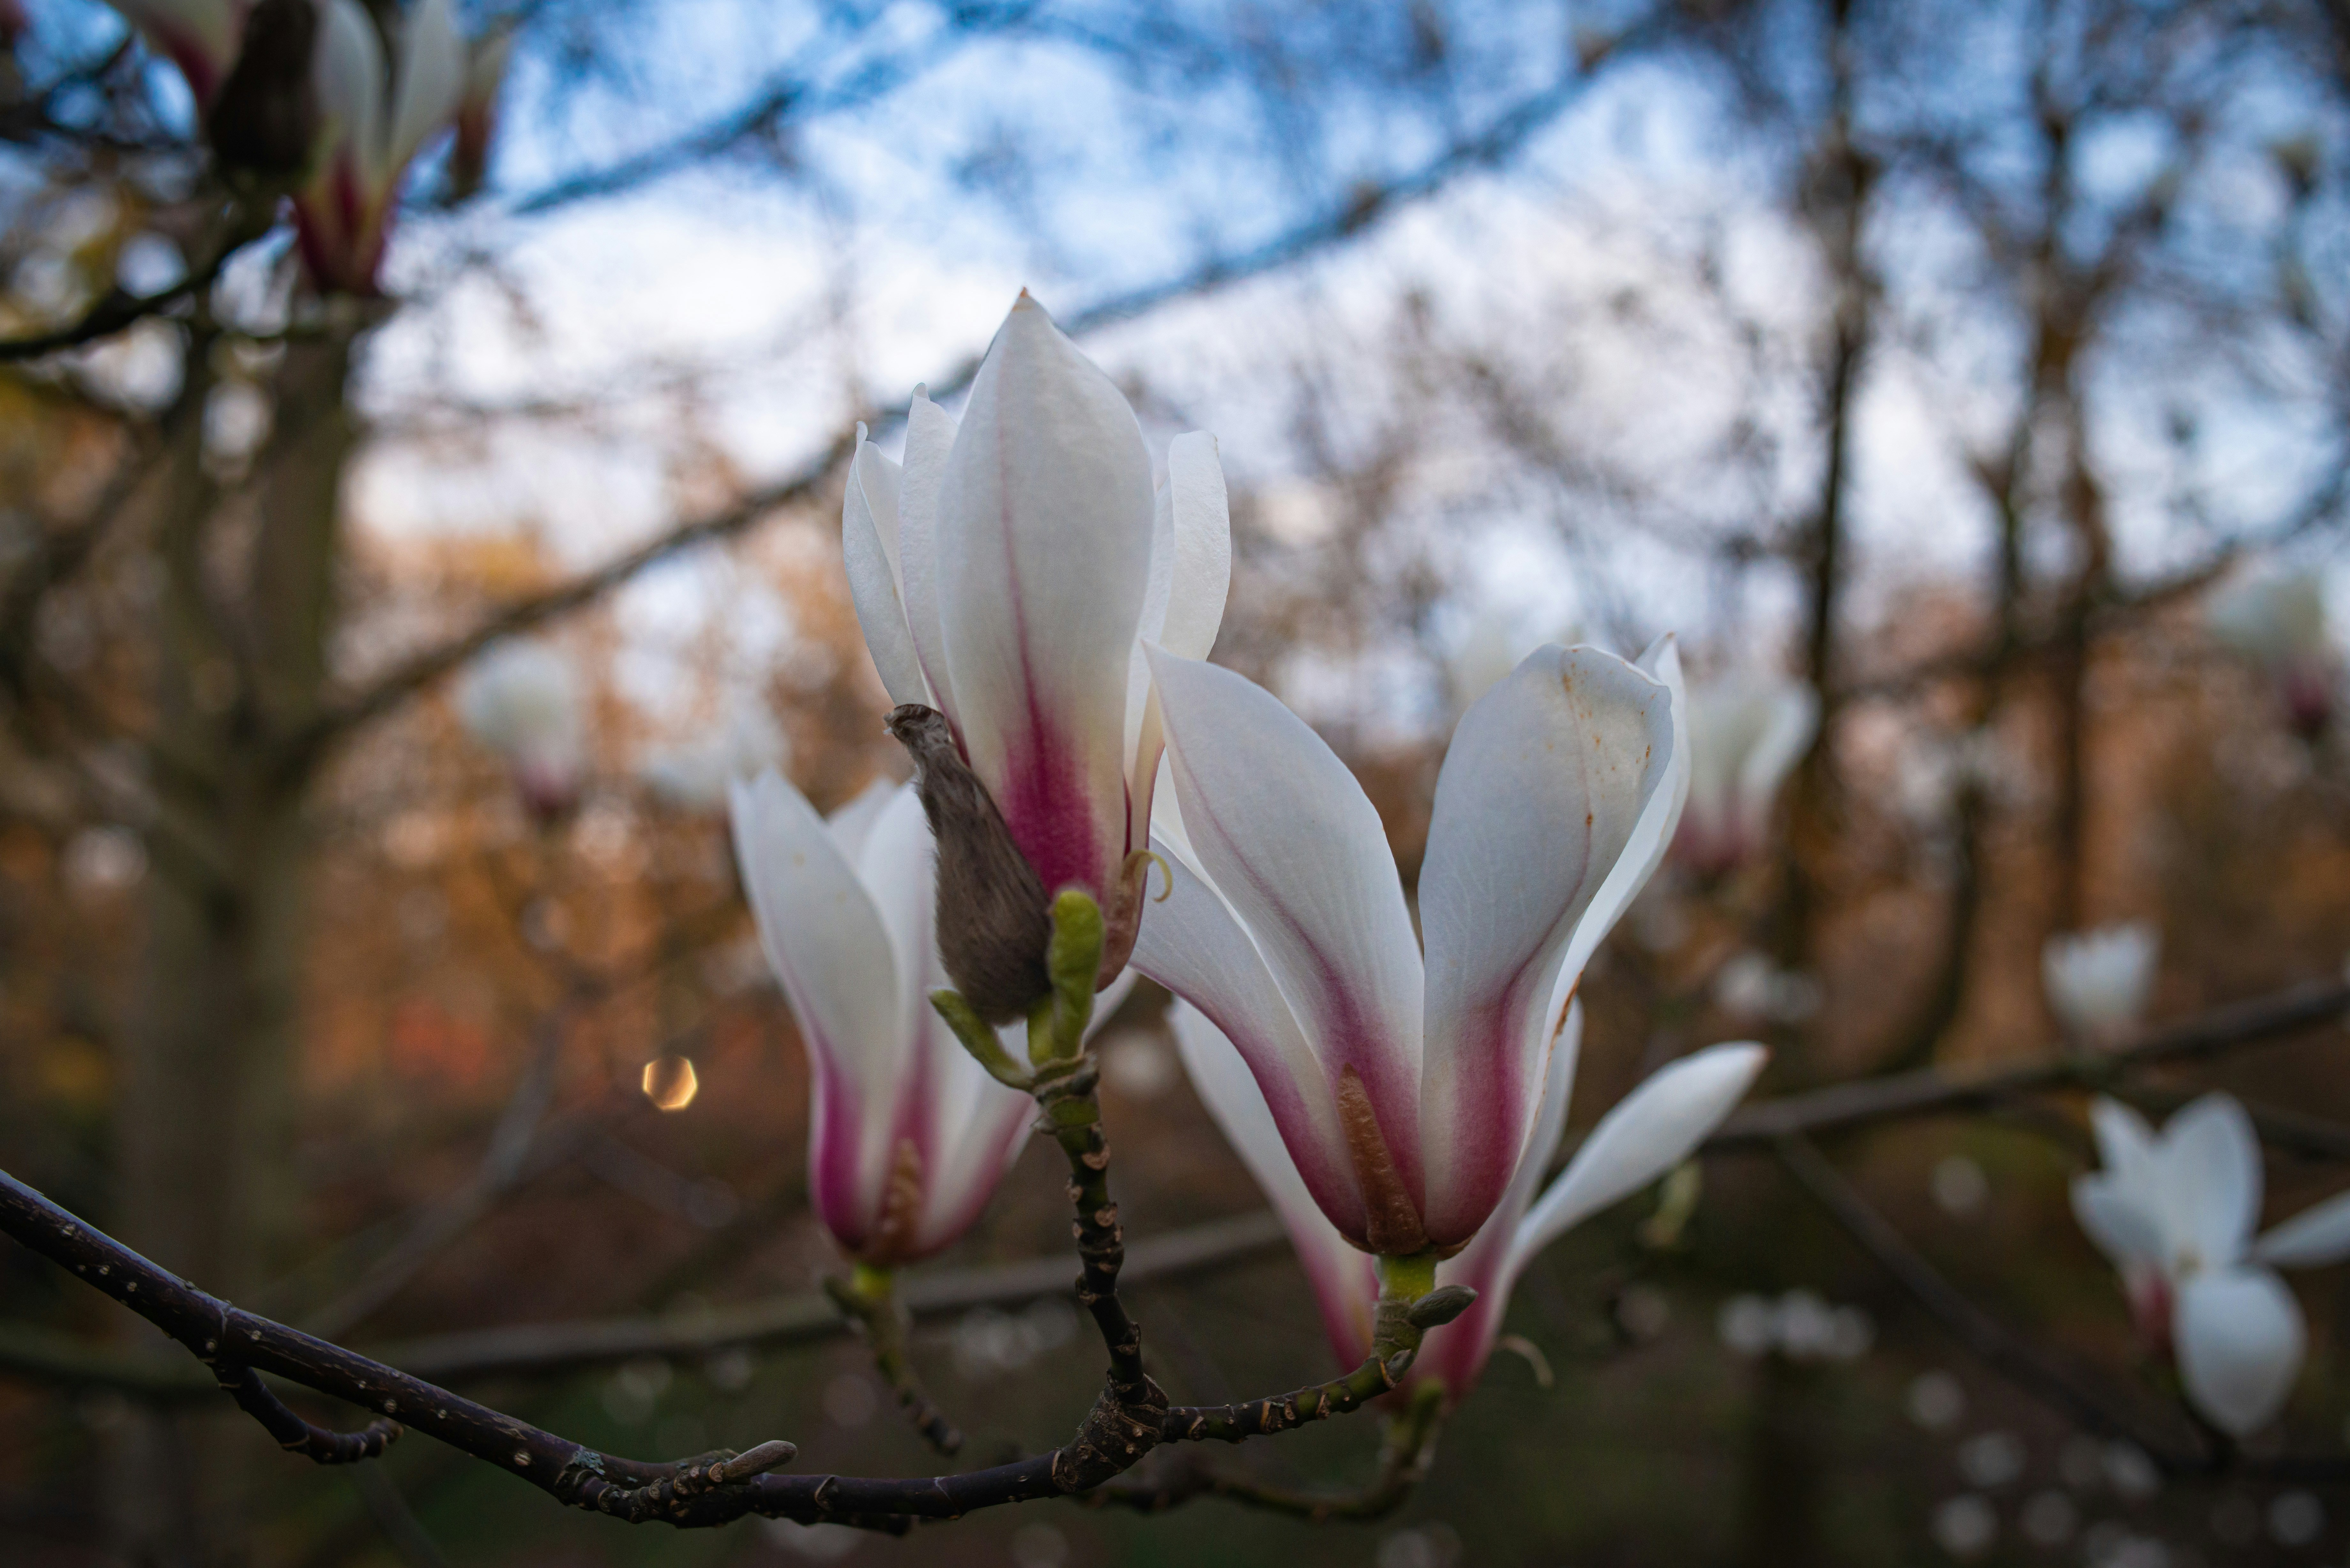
x=2311, y=1239
x=2126, y=1144
x=2118, y=1221
x=898, y=869
x=1792, y=716
x=1286, y=834
x=2211, y=1174
x=1548, y=777
x=432, y=81
x=1344, y=1282
x=1190, y=574
x=1653, y=1129
x=1044, y=554
x=2240, y=1340
x=1456, y=1353
x=1192, y=943
x=868, y=549
x=929, y=438
x=201, y=35
x=852, y=820
x=827, y=945
x=348, y=73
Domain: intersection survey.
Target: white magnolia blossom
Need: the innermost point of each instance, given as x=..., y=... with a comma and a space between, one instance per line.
x=1653, y=1129
x=2176, y=1212
x=1405, y=1086
x=522, y=700
x=2099, y=981
x=1476, y=663
x=1008, y=574
x=694, y=775
x=910, y=1136
x=375, y=113
x=1747, y=732
x=2277, y=620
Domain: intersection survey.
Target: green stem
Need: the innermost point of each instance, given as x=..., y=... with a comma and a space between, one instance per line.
x=867, y=1298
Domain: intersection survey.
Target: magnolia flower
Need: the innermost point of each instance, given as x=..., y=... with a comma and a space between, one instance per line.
x=521, y=701
x=1651, y=1131
x=694, y=775
x=2176, y=1212
x=2098, y=981
x=1746, y=732
x=1006, y=576
x=1405, y=1089
x=911, y=1135
x=2277, y=620
x=294, y=85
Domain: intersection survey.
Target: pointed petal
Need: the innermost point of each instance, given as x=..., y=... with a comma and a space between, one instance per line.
x=1286, y=834
x=2241, y=1340
x=431, y=83
x=2311, y=1239
x=826, y=943
x=1043, y=552
x=929, y=438
x=1456, y=1354
x=2118, y=1221
x=1192, y=943
x=348, y=72
x=1345, y=1282
x=2126, y=1144
x=868, y=550
x=2211, y=1166
x=1190, y=574
x=200, y=35
x=853, y=819
x=1655, y=1128
x=1547, y=780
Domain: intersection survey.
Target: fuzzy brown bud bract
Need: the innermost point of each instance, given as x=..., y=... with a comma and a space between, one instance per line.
x=265, y=116
x=993, y=920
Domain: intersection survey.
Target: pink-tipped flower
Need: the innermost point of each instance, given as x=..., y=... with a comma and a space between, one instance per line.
x=1746, y=733
x=521, y=701
x=2276, y=619
x=2176, y=1212
x=910, y=1135
x=200, y=36
x=1005, y=576
x=1405, y=1089
x=1655, y=1128
x=377, y=113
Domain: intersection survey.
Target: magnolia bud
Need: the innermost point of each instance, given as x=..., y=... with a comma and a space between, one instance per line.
x=992, y=924
x=266, y=113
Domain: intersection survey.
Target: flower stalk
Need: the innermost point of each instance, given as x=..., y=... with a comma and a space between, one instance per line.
x=868, y=1299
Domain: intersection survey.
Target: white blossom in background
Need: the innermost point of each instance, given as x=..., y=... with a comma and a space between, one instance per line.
x=1488, y=650
x=695, y=774
x=521, y=701
x=2176, y=1212
x=910, y=1136
x=1405, y=1072
x=1747, y=732
x=1651, y=1131
x=1749, y=985
x=2098, y=981
x=2276, y=620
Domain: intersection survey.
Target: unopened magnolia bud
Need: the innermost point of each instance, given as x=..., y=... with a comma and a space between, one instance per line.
x=993, y=925
x=1440, y=1306
x=266, y=113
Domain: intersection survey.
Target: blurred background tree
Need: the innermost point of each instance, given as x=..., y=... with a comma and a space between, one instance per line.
x=1953, y=360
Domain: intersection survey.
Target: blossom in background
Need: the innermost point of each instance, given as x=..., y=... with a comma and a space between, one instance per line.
x=350, y=117
x=2098, y=981
x=2176, y=1212
x=1746, y=732
x=1652, y=1130
x=1405, y=1089
x=1007, y=575
x=2276, y=619
x=1489, y=651
x=522, y=700
x=910, y=1133
x=694, y=775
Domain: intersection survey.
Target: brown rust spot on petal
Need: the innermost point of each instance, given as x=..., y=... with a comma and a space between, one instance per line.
x=1391, y=1224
